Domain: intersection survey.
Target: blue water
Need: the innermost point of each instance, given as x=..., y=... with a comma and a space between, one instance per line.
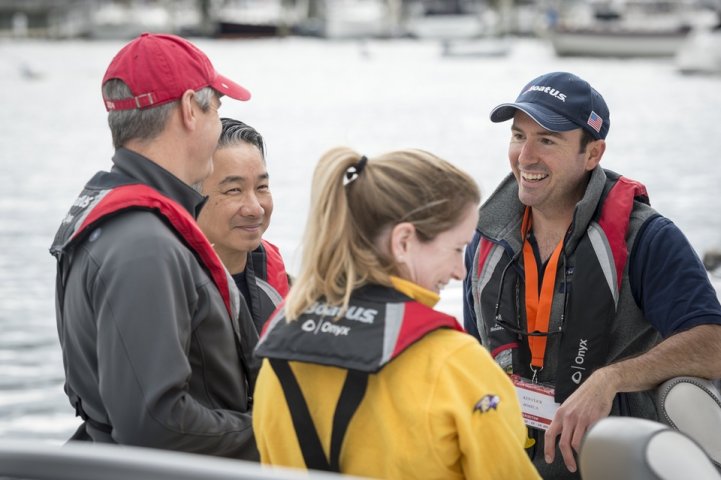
x=310, y=95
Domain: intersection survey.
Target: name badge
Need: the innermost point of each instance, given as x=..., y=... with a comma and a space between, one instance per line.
x=537, y=403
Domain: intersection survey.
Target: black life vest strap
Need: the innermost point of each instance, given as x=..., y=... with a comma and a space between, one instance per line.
x=354, y=389
x=352, y=394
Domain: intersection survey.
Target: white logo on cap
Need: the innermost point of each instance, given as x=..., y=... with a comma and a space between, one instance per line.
x=549, y=90
x=224, y=85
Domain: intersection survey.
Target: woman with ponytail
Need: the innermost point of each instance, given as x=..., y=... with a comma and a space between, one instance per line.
x=360, y=374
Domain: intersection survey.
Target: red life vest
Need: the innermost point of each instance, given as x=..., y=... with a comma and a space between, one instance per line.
x=275, y=268
x=98, y=204
x=379, y=325
x=587, y=308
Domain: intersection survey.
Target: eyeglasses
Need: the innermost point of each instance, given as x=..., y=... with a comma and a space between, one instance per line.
x=517, y=328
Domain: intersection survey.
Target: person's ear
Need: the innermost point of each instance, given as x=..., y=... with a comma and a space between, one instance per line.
x=594, y=152
x=188, y=109
x=402, y=235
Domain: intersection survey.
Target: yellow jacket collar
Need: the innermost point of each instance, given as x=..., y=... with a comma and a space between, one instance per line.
x=416, y=292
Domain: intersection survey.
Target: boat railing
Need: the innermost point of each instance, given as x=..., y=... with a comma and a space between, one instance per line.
x=29, y=460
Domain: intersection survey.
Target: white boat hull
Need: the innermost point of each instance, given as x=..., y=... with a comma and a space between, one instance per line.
x=601, y=43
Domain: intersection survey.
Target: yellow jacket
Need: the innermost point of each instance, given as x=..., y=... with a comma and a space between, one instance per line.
x=429, y=413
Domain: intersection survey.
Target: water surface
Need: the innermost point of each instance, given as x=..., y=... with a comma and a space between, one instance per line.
x=310, y=95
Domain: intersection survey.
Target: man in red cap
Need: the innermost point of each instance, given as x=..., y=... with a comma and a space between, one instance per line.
x=155, y=352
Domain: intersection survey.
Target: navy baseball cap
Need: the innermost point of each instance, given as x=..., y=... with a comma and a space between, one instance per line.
x=560, y=101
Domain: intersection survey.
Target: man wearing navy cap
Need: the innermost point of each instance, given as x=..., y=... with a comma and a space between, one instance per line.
x=582, y=292
x=154, y=349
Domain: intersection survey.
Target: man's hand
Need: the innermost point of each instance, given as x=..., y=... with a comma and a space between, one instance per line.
x=588, y=404
x=694, y=352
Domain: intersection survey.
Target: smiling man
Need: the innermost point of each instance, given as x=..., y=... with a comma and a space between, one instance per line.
x=237, y=214
x=576, y=286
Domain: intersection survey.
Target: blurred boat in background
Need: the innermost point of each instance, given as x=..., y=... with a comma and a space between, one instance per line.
x=617, y=43
x=449, y=20
x=336, y=19
x=632, y=28
x=701, y=53
x=249, y=19
x=467, y=28
x=348, y=19
x=127, y=20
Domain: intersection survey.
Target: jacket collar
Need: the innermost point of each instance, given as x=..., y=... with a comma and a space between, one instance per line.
x=415, y=291
x=146, y=171
x=585, y=210
x=501, y=215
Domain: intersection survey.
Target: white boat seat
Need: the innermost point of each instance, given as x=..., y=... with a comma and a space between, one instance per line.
x=626, y=448
x=692, y=405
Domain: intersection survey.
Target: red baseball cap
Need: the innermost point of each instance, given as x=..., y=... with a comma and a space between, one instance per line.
x=159, y=68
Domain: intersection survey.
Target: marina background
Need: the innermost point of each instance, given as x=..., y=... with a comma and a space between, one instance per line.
x=311, y=94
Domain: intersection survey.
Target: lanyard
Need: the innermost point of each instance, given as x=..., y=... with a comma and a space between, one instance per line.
x=538, y=307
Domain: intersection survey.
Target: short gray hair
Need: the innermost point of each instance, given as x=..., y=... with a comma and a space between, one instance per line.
x=146, y=123
x=235, y=132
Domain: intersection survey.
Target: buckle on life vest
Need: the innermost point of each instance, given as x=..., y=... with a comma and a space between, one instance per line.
x=535, y=371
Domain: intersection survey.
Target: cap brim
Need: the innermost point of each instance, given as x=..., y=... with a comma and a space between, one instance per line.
x=228, y=87
x=545, y=117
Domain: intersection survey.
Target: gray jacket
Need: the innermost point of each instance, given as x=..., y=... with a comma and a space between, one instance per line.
x=149, y=346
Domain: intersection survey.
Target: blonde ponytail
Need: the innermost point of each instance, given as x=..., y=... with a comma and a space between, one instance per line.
x=354, y=201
